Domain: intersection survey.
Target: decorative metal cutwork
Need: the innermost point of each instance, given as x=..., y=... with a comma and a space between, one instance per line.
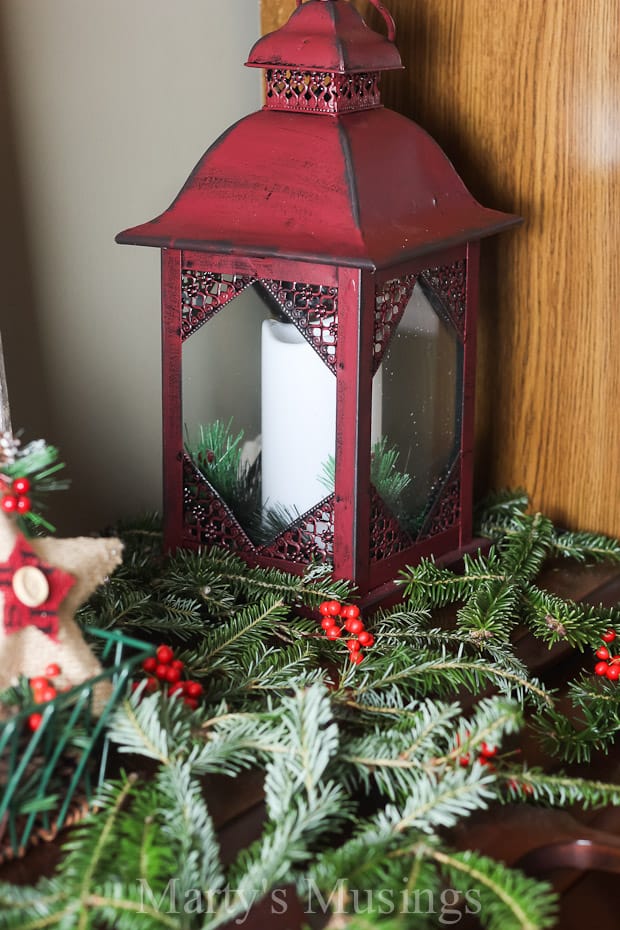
x=204, y=293
x=311, y=537
x=207, y=521
x=321, y=92
x=387, y=537
x=313, y=308
x=449, y=284
x=446, y=511
x=390, y=304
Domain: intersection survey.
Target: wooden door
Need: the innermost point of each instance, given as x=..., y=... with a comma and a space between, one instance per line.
x=525, y=99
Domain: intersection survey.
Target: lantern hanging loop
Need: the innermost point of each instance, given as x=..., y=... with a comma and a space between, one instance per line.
x=387, y=16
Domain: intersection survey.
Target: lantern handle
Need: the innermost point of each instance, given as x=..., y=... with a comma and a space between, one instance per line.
x=387, y=16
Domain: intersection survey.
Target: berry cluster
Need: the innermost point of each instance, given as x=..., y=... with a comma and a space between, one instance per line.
x=349, y=616
x=43, y=691
x=164, y=669
x=486, y=754
x=608, y=666
x=15, y=497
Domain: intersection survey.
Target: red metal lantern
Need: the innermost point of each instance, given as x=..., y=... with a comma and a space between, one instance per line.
x=333, y=241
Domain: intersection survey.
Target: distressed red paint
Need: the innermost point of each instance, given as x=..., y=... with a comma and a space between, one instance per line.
x=326, y=187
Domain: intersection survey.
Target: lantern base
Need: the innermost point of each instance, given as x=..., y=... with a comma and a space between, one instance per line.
x=391, y=593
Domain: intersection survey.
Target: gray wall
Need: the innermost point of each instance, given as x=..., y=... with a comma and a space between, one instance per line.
x=105, y=107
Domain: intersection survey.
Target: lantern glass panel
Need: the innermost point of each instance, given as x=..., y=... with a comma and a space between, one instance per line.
x=418, y=388
x=259, y=409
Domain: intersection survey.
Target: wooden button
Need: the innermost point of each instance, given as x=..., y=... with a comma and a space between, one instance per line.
x=30, y=586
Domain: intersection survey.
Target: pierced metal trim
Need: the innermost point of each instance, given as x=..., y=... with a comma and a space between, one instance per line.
x=310, y=537
x=313, y=308
x=204, y=293
x=321, y=92
x=448, y=285
x=446, y=511
x=387, y=537
x=390, y=304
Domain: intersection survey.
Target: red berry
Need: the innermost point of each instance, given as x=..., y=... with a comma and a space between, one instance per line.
x=334, y=632
x=328, y=622
x=613, y=672
x=330, y=607
x=609, y=636
x=602, y=652
x=172, y=675
x=488, y=751
x=366, y=638
x=52, y=670
x=161, y=671
x=351, y=611
x=24, y=505
x=152, y=684
x=35, y=721
x=149, y=665
x=134, y=686
x=193, y=689
x=39, y=683
x=48, y=694
x=177, y=686
x=9, y=503
x=191, y=702
x=354, y=625
x=357, y=657
x=353, y=645
x=176, y=663
x=601, y=668
x=21, y=486
x=164, y=654
x=464, y=760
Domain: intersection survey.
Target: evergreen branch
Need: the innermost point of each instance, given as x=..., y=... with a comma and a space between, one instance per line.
x=439, y=673
x=523, y=552
x=509, y=900
x=553, y=619
x=561, y=790
x=585, y=547
x=264, y=614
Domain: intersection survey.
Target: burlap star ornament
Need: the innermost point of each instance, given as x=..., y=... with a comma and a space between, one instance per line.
x=42, y=583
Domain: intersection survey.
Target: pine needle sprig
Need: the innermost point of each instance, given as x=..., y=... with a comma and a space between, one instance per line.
x=491, y=612
x=585, y=547
x=239, y=635
x=559, y=790
x=441, y=673
x=554, y=619
x=508, y=899
x=525, y=548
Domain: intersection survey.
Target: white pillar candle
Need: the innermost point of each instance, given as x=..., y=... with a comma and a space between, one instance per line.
x=298, y=419
x=298, y=414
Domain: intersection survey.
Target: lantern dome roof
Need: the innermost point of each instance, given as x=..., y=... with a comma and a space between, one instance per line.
x=326, y=35
x=366, y=189
x=324, y=172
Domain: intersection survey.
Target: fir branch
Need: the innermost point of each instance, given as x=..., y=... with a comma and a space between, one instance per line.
x=491, y=610
x=239, y=633
x=509, y=900
x=523, y=551
x=559, y=790
x=553, y=619
x=585, y=547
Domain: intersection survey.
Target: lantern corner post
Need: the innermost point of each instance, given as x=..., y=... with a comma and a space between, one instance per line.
x=469, y=393
x=352, y=528
x=172, y=400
